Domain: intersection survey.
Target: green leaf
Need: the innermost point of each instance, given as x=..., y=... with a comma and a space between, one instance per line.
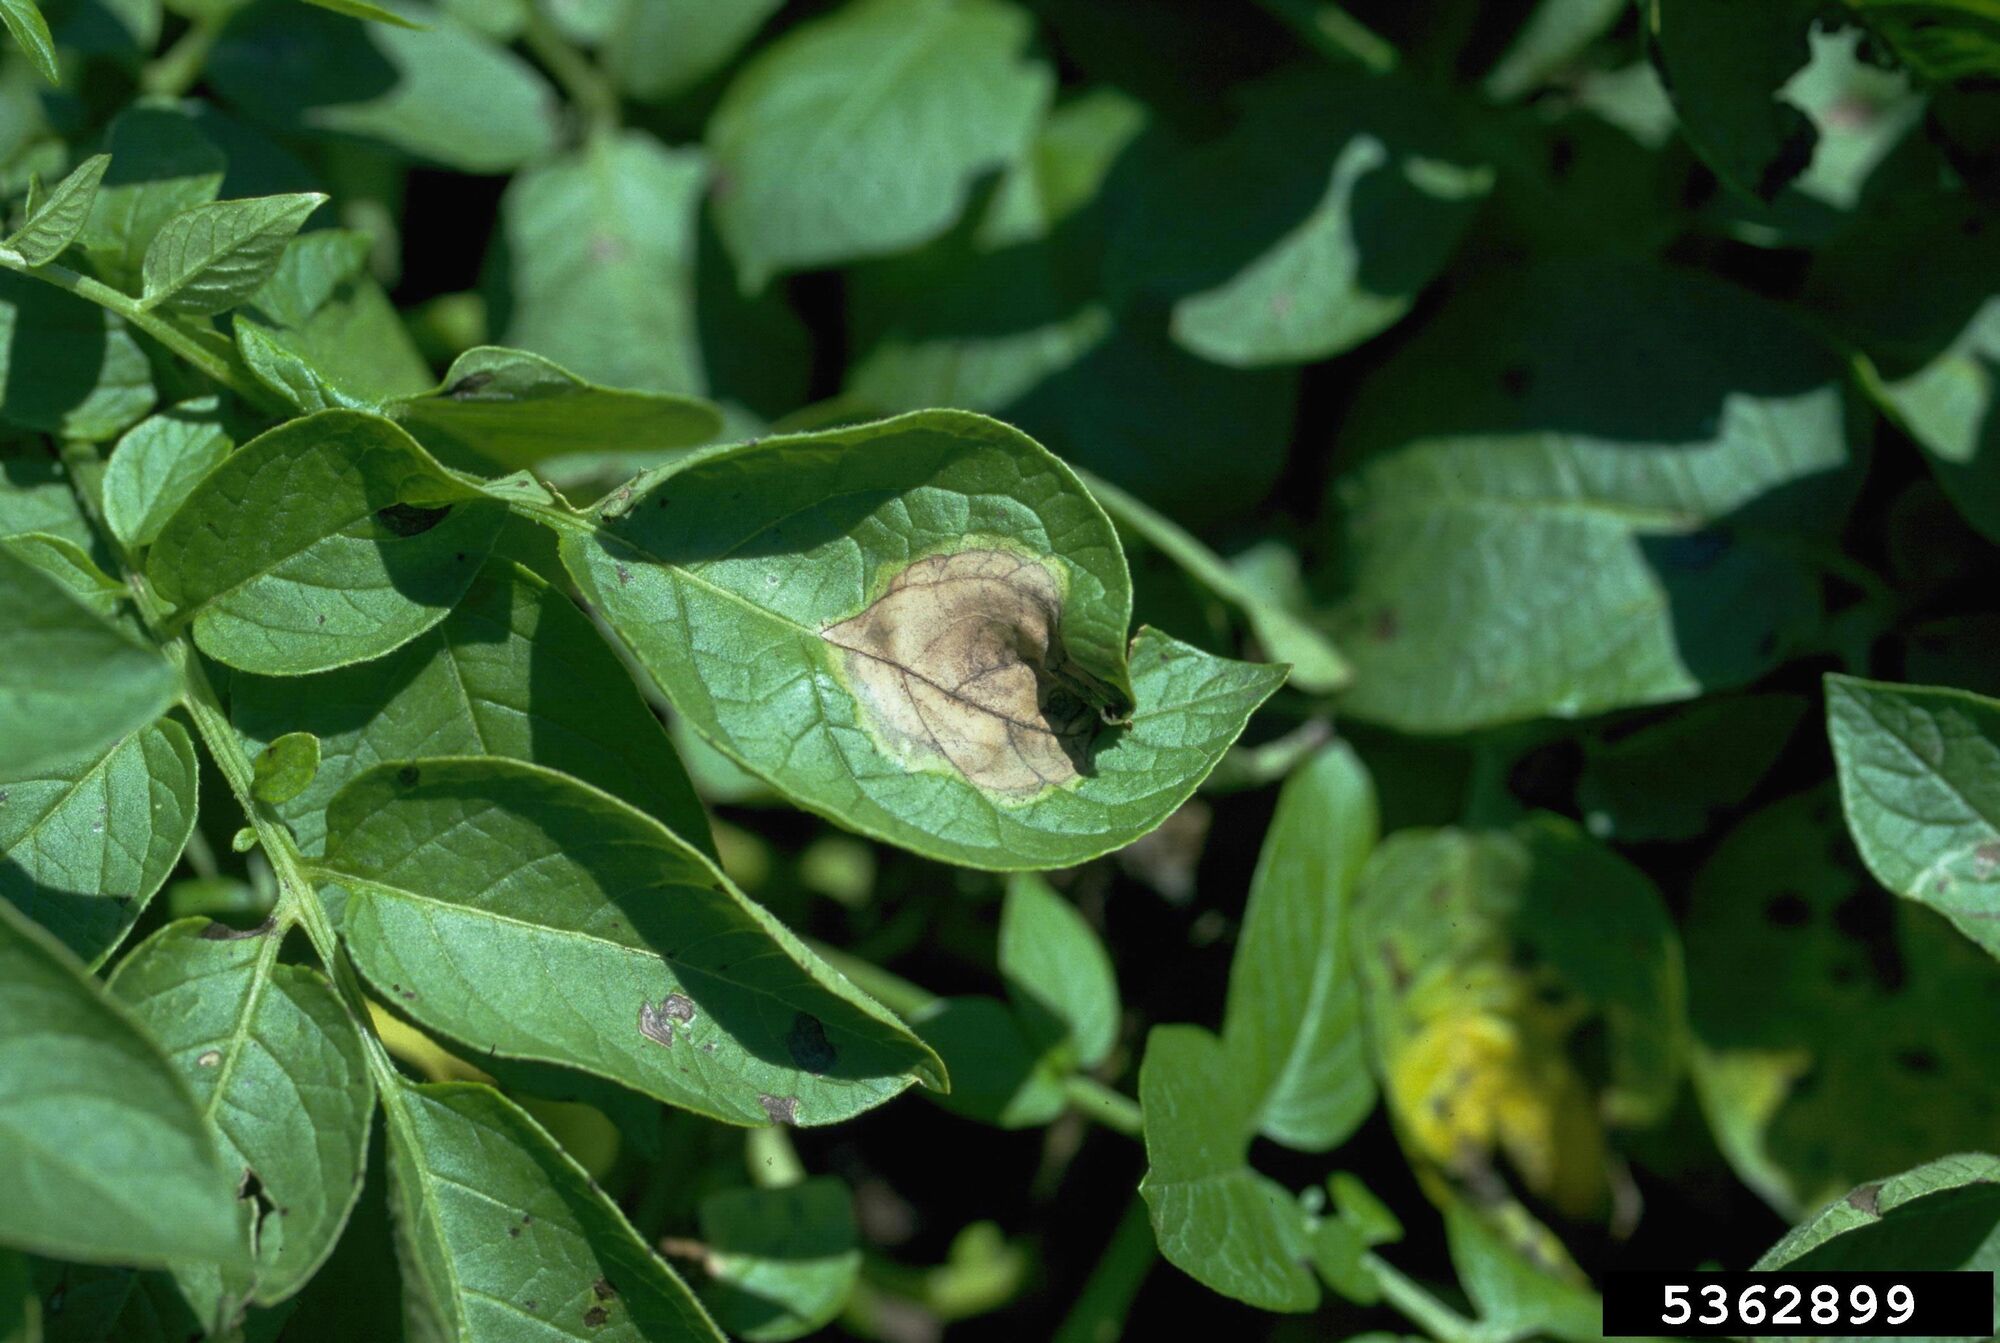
x=54, y=223
x=1058, y=972
x=35, y=497
x=278, y=1070
x=1314, y=224
x=329, y=540
x=762, y=587
x=90, y=839
x=1724, y=66
x=360, y=9
x=1223, y=1224
x=515, y=670
x=1549, y=41
x=20, y=1309
x=663, y=47
x=1518, y=1297
x=1007, y=316
x=1583, y=487
x=157, y=464
x=285, y=768
x=322, y=334
x=1837, y=1037
x=823, y=165
x=783, y=1260
x=1316, y=665
x=63, y=560
x=529, y=915
x=29, y=29
x=71, y=683
x=1942, y=41
x=212, y=257
x=66, y=366
x=444, y=92
x=1917, y=780
x=602, y=249
x=1667, y=779
x=514, y=409
x=1942, y=1215
x=1000, y=1075
x=1293, y=1030
x=505, y=1237
x=102, y=1151
x=161, y=164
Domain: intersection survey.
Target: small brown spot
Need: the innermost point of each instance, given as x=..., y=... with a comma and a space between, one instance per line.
x=209, y=1058
x=624, y=575
x=531, y=1304
x=319, y=620
x=1867, y=1199
x=656, y=1023
x=603, y=1289
x=1985, y=859
x=409, y=776
x=514, y=1231
x=678, y=1006
x=1385, y=625
x=595, y=1316
x=781, y=1109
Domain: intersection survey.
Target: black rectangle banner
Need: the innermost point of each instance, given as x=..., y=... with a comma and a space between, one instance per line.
x=1783, y=1304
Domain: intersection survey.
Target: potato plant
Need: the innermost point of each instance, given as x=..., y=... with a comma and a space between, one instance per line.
x=990, y=669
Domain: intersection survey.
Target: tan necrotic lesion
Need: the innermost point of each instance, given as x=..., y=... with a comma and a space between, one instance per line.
x=960, y=663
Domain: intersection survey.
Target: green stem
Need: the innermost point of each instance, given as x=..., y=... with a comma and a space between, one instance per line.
x=1419, y=1306
x=582, y=81
x=1334, y=33
x=214, y=360
x=176, y=69
x=1100, y=1310
x=772, y=1160
x=1113, y=1109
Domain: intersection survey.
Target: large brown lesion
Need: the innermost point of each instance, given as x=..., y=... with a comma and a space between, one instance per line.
x=961, y=662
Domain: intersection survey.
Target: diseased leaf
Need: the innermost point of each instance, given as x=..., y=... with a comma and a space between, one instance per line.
x=1282, y=635
x=277, y=1068
x=29, y=29
x=780, y=592
x=157, y=464
x=515, y=670
x=1058, y=972
x=1584, y=487
x=783, y=1261
x=212, y=257
x=1516, y=1295
x=56, y=220
x=89, y=839
x=285, y=768
x=329, y=540
x=822, y=164
x=102, y=1151
x=1942, y=1215
x=1842, y=1032
x=529, y=915
x=71, y=682
x=501, y=1232
x=444, y=92
x=1724, y=65
x=513, y=410
x=1293, y=1031
x=1223, y=1224
x=1918, y=781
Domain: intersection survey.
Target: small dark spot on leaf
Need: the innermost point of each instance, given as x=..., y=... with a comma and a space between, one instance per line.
x=595, y=1316
x=409, y=776
x=1867, y=1199
x=1985, y=858
x=1385, y=625
x=460, y=557
x=319, y=620
x=527, y=1218
x=808, y=1045
x=781, y=1109
x=469, y=385
x=530, y=1304
x=603, y=1289
x=1516, y=379
x=1917, y=1060
x=624, y=575
x=514, y=1231
x=409, y=519
x=1788, y=909
x=656, y=1023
